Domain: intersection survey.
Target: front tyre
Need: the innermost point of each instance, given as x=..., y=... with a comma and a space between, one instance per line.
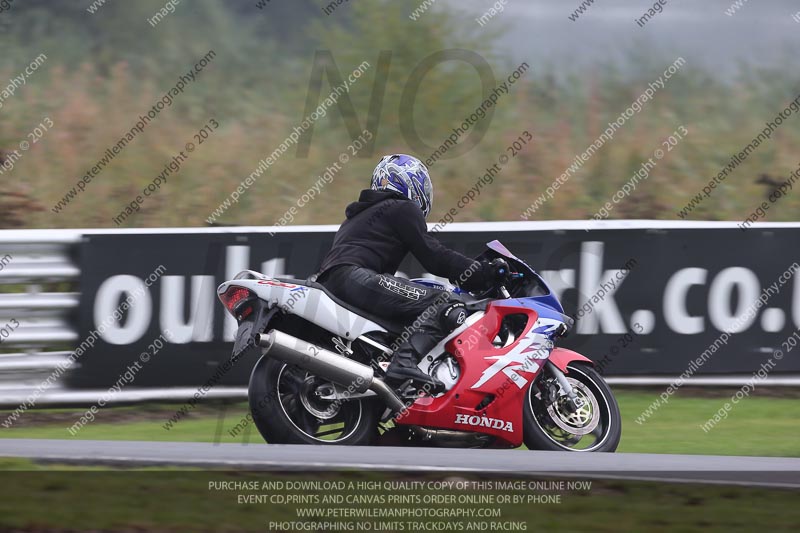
x=286, y=408
x=550, y=425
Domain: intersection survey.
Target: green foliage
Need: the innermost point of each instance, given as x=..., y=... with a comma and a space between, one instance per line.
x=105, y=69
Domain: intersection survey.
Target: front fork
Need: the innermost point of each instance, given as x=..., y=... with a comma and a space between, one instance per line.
x=573, y=402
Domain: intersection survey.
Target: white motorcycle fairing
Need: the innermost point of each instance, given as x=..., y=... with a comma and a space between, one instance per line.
x=309, y=303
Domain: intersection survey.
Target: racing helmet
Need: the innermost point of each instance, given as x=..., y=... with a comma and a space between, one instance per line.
x=408, y=176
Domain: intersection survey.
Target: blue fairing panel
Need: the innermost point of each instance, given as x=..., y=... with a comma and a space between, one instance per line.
x=541, y=308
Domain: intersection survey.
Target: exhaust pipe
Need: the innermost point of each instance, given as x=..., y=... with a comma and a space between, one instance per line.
x=361, y=378
x=327, y=365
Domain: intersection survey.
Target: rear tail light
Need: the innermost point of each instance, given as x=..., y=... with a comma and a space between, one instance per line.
x=235, y=300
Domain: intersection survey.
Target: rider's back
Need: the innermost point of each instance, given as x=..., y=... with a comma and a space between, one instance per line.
x=380, y=229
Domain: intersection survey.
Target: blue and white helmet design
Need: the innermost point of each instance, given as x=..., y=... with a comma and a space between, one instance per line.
x=406, y=175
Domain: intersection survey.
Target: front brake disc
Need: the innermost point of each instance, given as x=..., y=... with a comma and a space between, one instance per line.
x=583, y=420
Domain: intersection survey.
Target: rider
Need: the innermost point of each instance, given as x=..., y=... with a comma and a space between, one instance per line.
x=386, y=223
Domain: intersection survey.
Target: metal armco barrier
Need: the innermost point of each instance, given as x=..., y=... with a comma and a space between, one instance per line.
x=37, y=324
x=650, y=297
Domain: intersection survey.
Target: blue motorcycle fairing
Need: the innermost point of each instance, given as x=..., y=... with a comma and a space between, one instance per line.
x=432, y=283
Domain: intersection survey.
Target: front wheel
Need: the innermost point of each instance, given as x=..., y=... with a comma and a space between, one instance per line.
x=549, y=423
x=286, y=408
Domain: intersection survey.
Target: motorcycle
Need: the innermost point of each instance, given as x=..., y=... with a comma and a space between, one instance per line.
x=320, y=375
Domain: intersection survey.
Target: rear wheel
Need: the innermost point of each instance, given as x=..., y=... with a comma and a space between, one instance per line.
x=286, y=408
x=550, y=425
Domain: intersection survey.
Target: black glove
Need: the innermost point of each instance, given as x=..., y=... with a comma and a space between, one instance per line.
x=484, y=275
x=498, y=270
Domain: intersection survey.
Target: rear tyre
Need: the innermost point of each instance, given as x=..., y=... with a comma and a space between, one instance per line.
x=286, y=410
x=595, y=427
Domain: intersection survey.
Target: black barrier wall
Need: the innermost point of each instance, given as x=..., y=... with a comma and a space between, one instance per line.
x=647, y=300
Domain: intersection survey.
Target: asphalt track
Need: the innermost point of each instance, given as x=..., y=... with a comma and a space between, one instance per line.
x=728, y=470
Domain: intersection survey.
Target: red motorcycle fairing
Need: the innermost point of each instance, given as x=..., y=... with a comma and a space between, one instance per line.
x=561, y=357
x=488, y=371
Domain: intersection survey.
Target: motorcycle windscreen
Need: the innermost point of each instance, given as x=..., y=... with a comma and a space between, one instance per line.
x=535, y=286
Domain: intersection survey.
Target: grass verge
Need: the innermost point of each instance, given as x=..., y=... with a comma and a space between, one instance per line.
x=200, y=501
x=765, y=426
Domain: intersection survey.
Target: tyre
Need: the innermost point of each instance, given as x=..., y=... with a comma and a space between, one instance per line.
x=286, y=410
x=595, y=427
